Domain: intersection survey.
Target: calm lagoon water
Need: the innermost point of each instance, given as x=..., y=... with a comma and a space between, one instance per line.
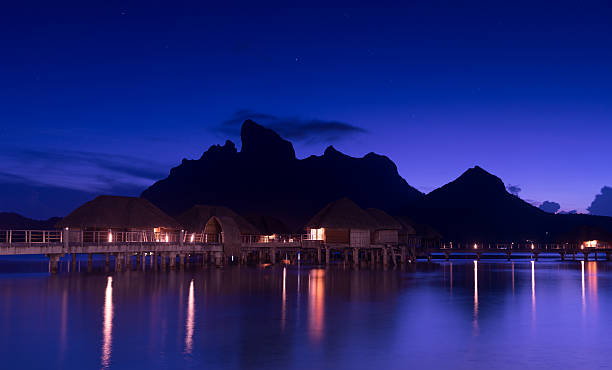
x=460, y=315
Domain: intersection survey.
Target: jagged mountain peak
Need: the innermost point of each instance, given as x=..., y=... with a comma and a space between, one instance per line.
x=474, y=189
x=477, y=177
x=259, y=142
x=265, y=177
x=228, y=148
x=331, y=152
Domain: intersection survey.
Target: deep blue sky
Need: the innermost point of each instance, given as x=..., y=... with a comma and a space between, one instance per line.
x=105, y=97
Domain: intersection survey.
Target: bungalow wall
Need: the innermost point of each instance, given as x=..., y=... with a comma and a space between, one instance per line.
x=385, y=237
x=360, y=238
x=339, y=236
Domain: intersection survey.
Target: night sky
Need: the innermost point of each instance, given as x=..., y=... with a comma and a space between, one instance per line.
x=106, y=97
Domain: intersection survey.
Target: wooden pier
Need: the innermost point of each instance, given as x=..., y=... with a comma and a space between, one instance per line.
x=166, y=248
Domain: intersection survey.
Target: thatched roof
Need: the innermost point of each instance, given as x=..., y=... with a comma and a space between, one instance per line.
x=383, y=219
x=422, y=230
x=109, y=211
x=342, y=214
x=408, y=226
x=268, y=225
x=195, y=218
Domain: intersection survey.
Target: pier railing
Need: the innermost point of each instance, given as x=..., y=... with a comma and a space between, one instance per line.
x=277, y=238
x=85, y=237
x=540, y=247
x=31, y=236
x=99, y=237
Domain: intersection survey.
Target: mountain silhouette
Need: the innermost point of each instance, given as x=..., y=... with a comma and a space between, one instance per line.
x=266, y=178
x=14, y=221
x=477, y=207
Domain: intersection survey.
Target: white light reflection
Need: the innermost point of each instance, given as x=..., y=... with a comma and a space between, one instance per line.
x=533, y=299
x=190, y=319
x=284, y=300
x=476, y=295
x=583, y=293
x=107, y=329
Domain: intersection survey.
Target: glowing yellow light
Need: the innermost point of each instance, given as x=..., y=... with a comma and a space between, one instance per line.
x=591, y=244
x=317, y=234
x=532, y=246
x=110, y=237
x=167, y=239
x=475, y=246
x=192, y=239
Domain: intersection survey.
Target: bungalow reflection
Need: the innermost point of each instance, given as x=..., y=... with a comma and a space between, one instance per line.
x=316, y=304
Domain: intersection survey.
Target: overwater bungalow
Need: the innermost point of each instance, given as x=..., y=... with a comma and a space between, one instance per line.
x=342, y=222
x=271, y=228
x=418, y=235
x=387, y=230
x=216, y=224
x=109, y=218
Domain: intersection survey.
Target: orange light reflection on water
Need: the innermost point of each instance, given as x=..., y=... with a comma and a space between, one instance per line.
x=316, y=303
x=592, y=274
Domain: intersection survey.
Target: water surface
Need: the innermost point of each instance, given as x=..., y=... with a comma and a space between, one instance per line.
x=460, y=314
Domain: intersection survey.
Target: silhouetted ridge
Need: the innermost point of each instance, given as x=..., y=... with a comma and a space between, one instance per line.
x=217, y=150
x=474, y=186
x=14, y=221
x=262, y=143
x=265, y=177
x=476, y=207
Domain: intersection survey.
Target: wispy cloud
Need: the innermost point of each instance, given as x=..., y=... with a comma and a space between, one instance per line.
x=292, y=128
x=79, y=170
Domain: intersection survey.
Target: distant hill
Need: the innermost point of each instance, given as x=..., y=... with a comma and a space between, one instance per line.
x=477, y=207
x=14, y=221
x=265, y=177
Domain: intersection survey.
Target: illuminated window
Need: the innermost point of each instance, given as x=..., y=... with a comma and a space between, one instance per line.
x=317, y=234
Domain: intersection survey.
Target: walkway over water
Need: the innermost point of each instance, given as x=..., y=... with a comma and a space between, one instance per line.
x=218, y=249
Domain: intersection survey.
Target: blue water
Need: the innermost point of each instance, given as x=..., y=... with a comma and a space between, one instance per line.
x=460, y=315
